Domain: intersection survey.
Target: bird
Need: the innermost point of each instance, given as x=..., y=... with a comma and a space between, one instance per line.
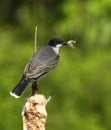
x=42, y=62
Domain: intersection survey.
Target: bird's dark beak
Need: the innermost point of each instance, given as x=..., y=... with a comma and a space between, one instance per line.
x=64, y=43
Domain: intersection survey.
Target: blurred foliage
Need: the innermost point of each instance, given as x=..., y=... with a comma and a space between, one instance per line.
x=80, y=86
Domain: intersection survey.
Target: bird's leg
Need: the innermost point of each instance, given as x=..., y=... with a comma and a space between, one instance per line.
x=34, y=87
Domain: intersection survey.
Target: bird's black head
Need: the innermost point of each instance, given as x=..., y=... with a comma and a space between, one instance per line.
x=56, y=41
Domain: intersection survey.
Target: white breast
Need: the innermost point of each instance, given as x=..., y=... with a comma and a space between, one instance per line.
x=56, y=49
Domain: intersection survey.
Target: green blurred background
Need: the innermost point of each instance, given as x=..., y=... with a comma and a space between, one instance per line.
x=80, y=86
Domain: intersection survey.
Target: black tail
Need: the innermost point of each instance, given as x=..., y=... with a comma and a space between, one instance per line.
x=19, y=89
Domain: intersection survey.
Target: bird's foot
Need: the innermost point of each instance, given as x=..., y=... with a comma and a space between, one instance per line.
x=34, y=87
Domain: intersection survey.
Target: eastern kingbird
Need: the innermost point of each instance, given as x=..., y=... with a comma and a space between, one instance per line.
x=42, y=62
